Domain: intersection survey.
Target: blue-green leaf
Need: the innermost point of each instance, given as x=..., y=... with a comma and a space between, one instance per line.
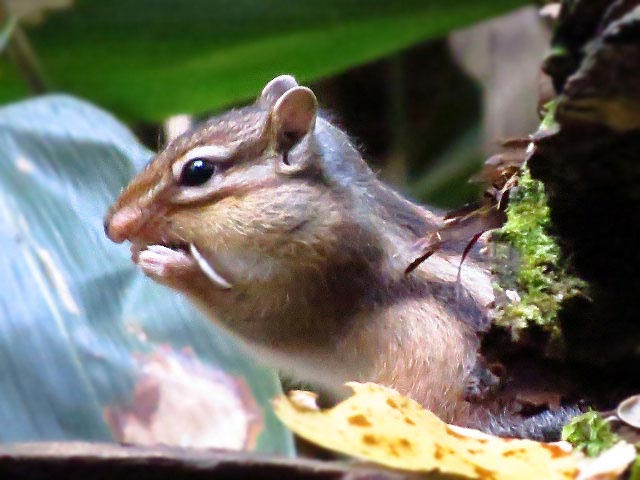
x=89, y=348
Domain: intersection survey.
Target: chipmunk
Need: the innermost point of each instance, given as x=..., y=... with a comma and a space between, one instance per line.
x=270, y=221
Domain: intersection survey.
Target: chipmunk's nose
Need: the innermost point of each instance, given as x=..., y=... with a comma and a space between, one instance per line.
x=122, y=224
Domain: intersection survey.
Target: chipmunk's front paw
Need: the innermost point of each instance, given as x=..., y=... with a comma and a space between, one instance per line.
x=164, y=264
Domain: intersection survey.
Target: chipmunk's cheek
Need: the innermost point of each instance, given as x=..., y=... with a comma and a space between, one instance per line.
x=163, y=263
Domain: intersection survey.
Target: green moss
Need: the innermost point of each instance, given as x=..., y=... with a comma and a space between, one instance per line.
x=538, y=274
x=589, y=432
x=549, y=120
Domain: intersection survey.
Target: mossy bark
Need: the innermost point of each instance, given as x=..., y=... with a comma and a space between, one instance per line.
x=540, y=282
x=576, y=221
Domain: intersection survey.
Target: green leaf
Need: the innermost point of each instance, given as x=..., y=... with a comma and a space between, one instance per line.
x=147, y=59
x=589, y=432
x=90, y=349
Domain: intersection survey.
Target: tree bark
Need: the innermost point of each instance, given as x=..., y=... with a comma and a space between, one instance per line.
x=589, y=162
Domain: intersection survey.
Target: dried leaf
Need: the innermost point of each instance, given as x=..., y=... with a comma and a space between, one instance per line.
x=500, y=173
x=465, y=228
x=382, y=426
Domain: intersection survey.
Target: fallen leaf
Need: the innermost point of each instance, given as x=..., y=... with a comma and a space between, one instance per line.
x=380, y=425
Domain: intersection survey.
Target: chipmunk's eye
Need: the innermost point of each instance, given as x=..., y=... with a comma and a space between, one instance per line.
x=196, y=172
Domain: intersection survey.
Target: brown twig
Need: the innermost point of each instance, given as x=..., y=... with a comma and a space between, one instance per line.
x=23, y=56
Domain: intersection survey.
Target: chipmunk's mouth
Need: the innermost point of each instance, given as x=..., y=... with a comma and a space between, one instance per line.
x=175, y=259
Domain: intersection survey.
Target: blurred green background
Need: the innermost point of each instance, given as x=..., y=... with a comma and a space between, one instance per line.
x=420, y=100
x=90, y=349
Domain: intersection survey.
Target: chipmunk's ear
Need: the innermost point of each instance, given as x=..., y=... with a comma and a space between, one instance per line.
x=292, y=117
x=275, y=89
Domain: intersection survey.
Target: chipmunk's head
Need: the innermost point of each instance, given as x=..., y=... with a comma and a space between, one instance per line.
x=237, y=202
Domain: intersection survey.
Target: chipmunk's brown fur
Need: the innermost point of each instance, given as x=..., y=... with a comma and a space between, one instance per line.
x=308, y=251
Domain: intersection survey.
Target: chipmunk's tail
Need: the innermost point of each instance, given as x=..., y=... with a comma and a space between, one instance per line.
x=544, y=426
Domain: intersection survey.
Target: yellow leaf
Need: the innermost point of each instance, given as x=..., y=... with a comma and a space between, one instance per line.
x=380, y=425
